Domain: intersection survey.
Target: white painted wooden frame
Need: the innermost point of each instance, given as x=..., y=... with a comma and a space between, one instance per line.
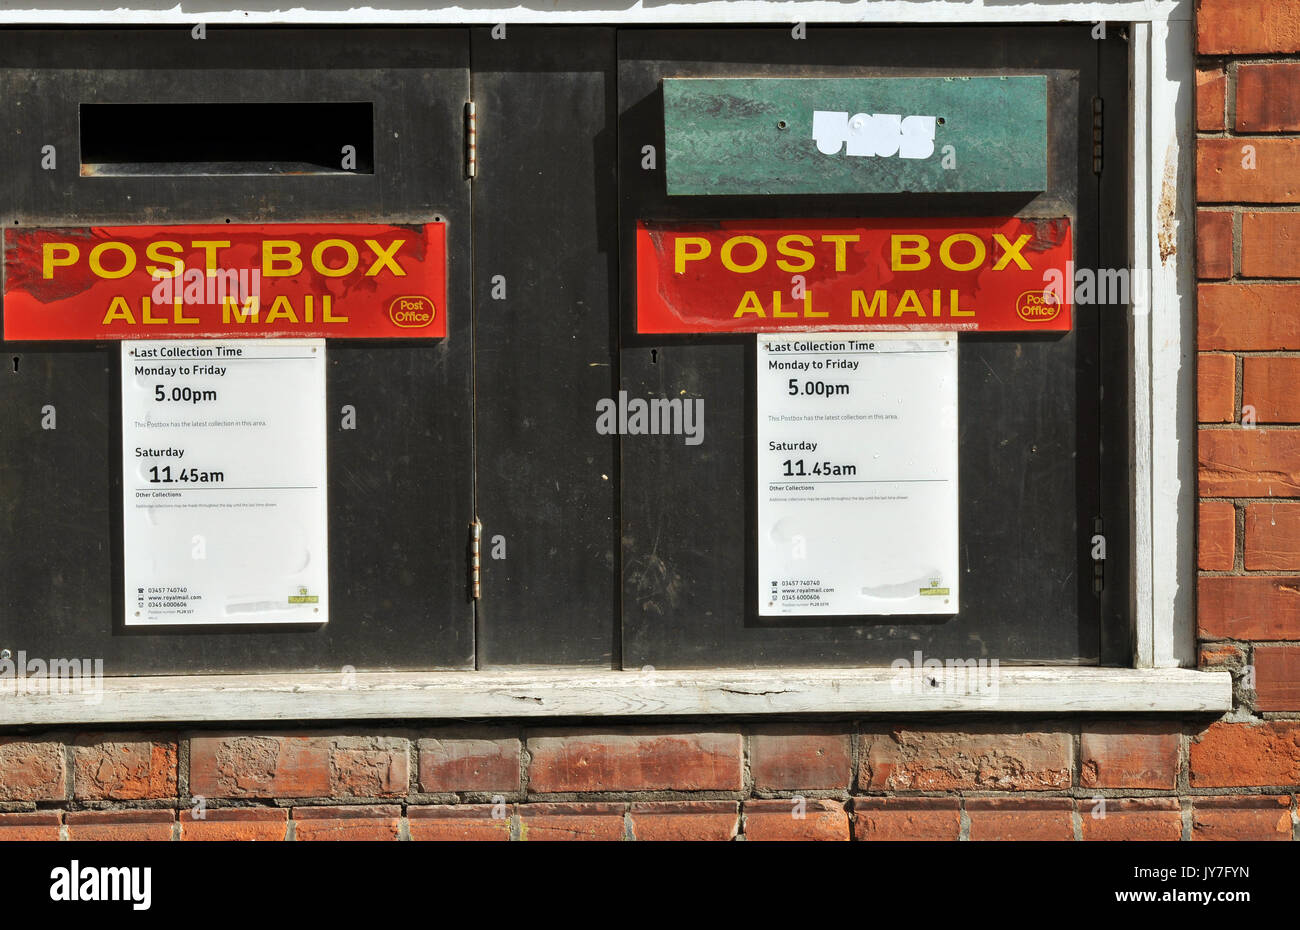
x=1162, y=344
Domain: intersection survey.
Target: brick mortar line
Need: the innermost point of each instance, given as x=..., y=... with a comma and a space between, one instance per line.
x=1250, y=573
x=1186, y=809
x=633, y=796
x=1245, y=572
x=525, y=761
x=467, y=798
x=1239, y=536
x=781, y=794
x=1252, y=353
x=1249, y=696
x=1226, y=206
x=1212, y=135
x=746, y=772
x=1074, y=793
x=1079, y=794
x=1229, y=92
x=1253, y=642
x=443, y=797
x=69, y=770
x=855, y=757
x=1235, y=271
x=1238, y=279
x=183, y=757
x=1183, y=776
x=1247, y=136
x=1224, y=59
x=85, y=805
x=1076, y=751
x=1254, y=500
x=1284, y=135
x=1251, y=205
x=1238, y=386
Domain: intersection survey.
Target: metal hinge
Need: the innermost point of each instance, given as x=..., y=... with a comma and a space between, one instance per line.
x=475, y=545
x=1096, y=134
x=1098, y=564
x=471, y=141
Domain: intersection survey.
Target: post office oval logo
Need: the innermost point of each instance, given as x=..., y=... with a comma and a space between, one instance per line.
x=1037, y=306
x=412, y=312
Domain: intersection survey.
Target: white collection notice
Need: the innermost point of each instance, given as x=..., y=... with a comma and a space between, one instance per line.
x=223, y=482
x=857, y=474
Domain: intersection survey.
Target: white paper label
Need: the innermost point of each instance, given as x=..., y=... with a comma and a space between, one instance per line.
x=857, y=474
x=223, y=482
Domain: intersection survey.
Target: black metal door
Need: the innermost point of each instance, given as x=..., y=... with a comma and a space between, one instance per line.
x=546, y=292
x=400, y=483
x=1030, y=415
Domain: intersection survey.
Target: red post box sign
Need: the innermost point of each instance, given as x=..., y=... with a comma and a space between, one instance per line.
x=753, y=276
x=363, y=281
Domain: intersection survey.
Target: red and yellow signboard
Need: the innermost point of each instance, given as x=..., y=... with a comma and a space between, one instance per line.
x=753, y=276
x=364, y=281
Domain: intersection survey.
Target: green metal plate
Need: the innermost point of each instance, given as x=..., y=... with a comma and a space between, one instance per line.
x=855, y=135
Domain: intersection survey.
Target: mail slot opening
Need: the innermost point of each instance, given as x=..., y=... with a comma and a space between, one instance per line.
x=226, y=138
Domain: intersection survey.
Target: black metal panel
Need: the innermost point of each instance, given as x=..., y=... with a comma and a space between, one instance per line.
x=1028, y=405
x=400, y=484
x=548, y=217
x=545, y=221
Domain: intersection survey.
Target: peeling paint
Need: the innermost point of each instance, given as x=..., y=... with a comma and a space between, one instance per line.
x=1167, y=235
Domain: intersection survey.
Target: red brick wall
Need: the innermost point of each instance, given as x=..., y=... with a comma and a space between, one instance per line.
x=954, y=777
x=1248, y=332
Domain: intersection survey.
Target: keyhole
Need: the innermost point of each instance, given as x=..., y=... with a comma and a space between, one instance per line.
x=15, y=364
x=654, y=358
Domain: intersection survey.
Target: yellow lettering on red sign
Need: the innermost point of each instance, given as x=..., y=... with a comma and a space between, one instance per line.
x=332, y=258
x=909, y=302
